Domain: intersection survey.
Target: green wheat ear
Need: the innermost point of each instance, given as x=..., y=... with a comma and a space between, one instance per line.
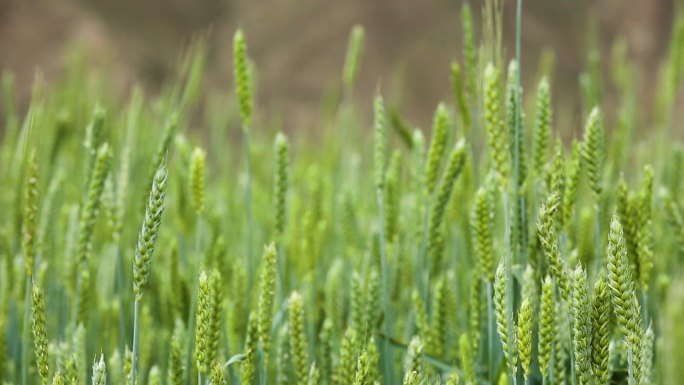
x=362, y=376
x=547, y=224
x=154, y=376
x=414, y=353
x=515, y=119
x=357, y=309
x=392, y=196
x=283, y=371
x=345, y=370
x=482, y=231
x=266, y=298
x=581, y=327
x=542, y=127
x=30, y=214
x=644, y=234
x=600, y=341
x=524, y=335
x=243, y=81
x=374, y=361
x=623, y=295
x=99, y=372
x=204, y=317
x=593, y=150
x=217, y=376
x=559, y=346
x=446, y=186
x=453, y=379
x=217, y=316
x=281, y=147
x=92, y=201
x=547, y=326
x=198, y=179
x=248, y=366
x=647, y=356
x=325, y=349
x=94, y=137
x=39, y=334
x=175, y=375
x=475, y=304
x=437, y=335
x=497, y=136
x=127, y=366
x=435, y=152
x=314, y=377
x=508, y=342
x=149, y=231
x=298, y=345
x=460, y=93
x=557, y=176
x=412, y=378
x=469, y=50
x=401, y=128
x=353, y=57
x=58, y=379
x=373, y=308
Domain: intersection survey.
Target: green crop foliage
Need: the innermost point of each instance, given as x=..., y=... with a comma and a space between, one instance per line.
x=126, y=237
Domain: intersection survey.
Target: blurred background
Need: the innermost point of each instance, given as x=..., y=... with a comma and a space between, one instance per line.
x=298, y=45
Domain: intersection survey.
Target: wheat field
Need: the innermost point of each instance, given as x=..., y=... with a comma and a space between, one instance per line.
x=502, y=245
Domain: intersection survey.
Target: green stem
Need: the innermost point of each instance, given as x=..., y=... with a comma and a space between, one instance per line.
x=387, y=349
x=134, y=360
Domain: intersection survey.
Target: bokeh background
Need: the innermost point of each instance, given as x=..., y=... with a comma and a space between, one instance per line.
x=299, y=45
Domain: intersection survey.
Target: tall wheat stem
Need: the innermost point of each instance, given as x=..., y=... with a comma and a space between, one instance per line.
x=136, y=322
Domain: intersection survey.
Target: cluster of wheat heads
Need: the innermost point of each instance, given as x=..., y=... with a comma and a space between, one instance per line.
x=487, y=250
